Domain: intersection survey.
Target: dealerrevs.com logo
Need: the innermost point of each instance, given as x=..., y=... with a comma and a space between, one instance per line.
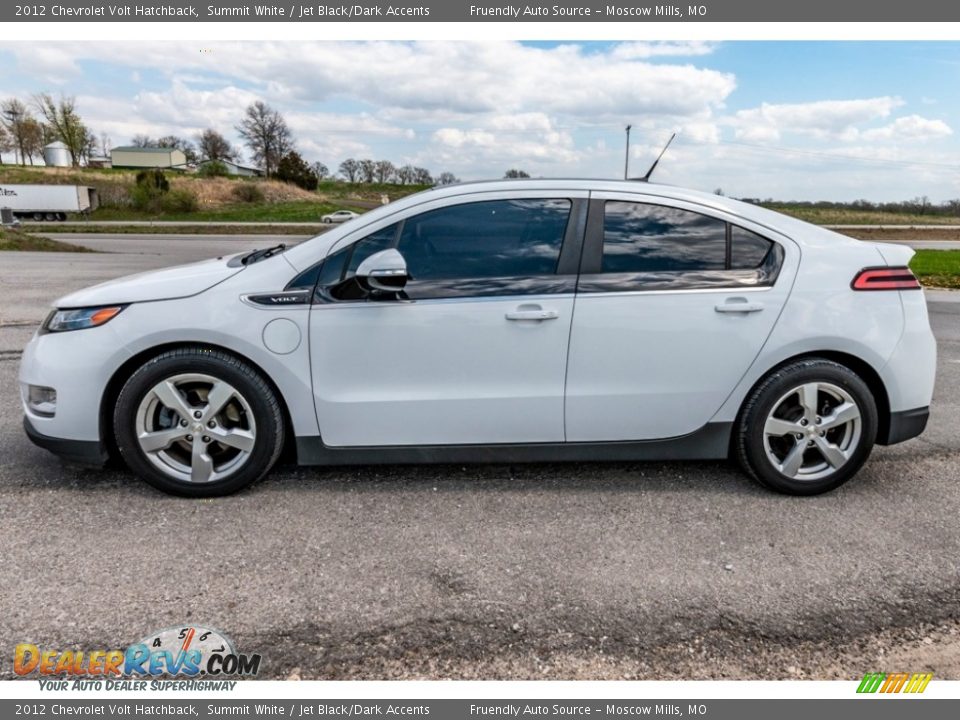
x=187, y=651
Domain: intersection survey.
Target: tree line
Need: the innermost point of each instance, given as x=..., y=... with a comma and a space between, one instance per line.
x=26, y=128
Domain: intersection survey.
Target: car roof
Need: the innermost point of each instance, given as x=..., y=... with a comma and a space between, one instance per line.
x=769, y=218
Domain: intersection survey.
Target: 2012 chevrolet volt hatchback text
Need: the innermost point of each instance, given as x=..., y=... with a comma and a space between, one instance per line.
x=535, y=320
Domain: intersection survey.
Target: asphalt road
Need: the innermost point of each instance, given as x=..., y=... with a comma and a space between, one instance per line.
x=654, y=570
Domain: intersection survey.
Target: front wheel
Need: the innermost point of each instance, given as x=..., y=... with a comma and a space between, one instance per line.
x=807, y=428
x=199, y=423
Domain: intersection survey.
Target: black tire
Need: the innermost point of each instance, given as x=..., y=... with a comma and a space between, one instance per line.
x=749, y=441
x=260, y=400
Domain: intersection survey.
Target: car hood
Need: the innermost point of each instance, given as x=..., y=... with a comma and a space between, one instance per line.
x=167, y=284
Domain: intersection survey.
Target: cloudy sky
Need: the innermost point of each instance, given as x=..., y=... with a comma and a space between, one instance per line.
x=789, y=120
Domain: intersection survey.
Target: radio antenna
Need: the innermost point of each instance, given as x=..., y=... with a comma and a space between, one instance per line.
x=646, y=178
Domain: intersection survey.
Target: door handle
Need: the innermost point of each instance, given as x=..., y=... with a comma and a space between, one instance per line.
x=738, y=306
x=535, y=313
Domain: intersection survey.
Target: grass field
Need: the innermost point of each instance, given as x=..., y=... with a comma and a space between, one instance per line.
x=93, y=227
x=835, y=216
x=17, y=240
x=291, y=211
x=937, y=268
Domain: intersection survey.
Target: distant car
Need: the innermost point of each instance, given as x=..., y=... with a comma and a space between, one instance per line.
x=339, y=216
x=509, y=321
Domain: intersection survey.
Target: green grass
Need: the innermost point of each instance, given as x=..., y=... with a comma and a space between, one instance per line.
x=19, y=241
x=294, y=211
x=93, y=227
x=937, y=268
x=842, y=216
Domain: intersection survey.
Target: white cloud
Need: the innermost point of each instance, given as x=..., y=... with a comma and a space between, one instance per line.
x=836, y=119
x=643, y=50
x=910, y=127
x=429, y=76
x=530, y=141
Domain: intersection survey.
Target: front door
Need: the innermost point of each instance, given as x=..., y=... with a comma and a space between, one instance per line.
x=477, y=354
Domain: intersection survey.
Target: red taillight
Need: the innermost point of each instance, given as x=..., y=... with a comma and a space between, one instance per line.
x=885, y=278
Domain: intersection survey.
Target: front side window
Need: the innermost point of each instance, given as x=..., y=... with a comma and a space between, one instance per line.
x=494, y=247
x=496, y=238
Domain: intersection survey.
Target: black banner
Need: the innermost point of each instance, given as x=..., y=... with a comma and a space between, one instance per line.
x=456, y=11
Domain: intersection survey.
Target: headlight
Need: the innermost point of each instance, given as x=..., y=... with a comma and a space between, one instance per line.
x=79, y=319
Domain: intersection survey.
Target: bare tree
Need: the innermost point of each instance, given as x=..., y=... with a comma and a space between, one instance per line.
x=513, y=173
x=350, y=169
x=267, y=135
x=368, y=171
x=89, y=146
x=32, y=136
x=421, y=176
x=6, y=142
x=64, y=121
x=14, y=116
x=105, y=145
x=405, y=174
x=214, y=146
x=320, y=170
x=383, y=171
x=142, y=141
x=447, y=178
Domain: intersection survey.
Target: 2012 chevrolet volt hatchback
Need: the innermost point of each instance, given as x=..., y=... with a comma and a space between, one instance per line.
x=536, y=320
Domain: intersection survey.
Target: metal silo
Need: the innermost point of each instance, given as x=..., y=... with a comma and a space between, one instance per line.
x=56, y=155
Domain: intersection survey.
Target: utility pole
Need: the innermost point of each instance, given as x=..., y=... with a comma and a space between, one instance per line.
x=626, y=158
x=14, y=117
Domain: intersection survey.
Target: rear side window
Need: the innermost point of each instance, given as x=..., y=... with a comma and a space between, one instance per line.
x=747, y=249
x=645, y=238
x=497, y=238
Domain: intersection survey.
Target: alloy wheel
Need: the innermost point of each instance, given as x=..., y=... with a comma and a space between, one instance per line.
x=195, y=428
x=812, y=431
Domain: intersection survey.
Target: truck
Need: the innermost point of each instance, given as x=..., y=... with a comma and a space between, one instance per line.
x=48, y=202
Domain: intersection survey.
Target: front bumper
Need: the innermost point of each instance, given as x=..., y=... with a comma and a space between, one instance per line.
x=83, y=452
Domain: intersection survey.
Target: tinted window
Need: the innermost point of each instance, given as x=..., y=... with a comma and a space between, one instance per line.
x=747, y=250
x=375, y=242
x=332, y=269
x=638, y=237
x=499, y=238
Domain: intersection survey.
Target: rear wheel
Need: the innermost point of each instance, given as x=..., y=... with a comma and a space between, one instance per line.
x=199, y=423
x=807, y=428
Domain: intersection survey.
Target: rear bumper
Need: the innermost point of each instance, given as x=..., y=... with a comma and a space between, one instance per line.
x=83, y=452
x=904, y=425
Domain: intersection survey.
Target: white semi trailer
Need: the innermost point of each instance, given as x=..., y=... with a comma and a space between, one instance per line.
x=48, y=202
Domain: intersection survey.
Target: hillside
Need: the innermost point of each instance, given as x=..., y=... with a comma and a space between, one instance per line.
x=212, y=199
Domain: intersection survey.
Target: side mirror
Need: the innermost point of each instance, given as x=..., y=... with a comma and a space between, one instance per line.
x=385, y=271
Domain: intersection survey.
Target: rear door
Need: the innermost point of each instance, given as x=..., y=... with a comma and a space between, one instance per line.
x=673, y=304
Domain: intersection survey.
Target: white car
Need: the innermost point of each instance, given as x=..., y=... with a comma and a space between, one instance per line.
x=536, y=320
x=340, y=216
